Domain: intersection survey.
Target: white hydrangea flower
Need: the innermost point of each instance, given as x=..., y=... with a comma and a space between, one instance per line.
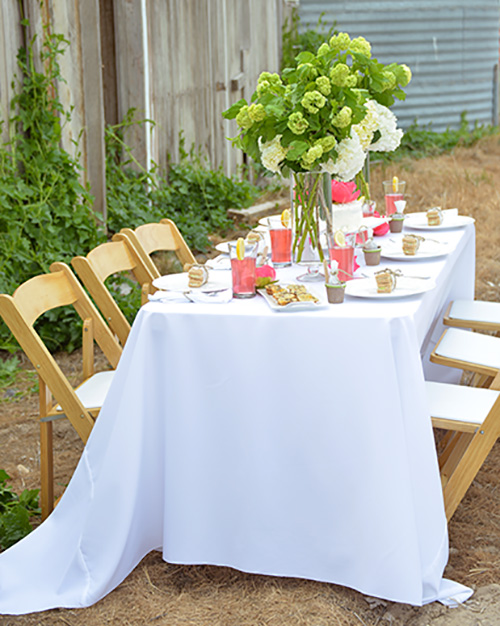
x=387, y=125
x=350, y=160
x=368, y=125
x=272, y=153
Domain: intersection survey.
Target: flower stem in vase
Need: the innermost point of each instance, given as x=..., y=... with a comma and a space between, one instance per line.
x=307, y=198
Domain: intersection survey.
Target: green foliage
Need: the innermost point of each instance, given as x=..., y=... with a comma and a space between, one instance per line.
x=15, y=381
x=421, y=141
x=302, y=120
x=9, y=369
x=15, y=512
x=308, y=39
x=46, y=211
x=195, y=197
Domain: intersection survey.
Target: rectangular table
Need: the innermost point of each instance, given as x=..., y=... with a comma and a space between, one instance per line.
x=290, y=444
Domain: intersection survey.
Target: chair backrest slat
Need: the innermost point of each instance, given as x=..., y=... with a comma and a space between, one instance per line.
x=43, y=293
x=150, y=238
x=110, y=258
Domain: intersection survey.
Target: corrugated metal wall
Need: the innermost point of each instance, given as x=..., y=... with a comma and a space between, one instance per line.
x=452, y=48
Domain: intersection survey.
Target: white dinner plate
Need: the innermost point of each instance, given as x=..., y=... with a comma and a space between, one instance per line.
x=428, y=250
x=295, y=306
x=180, y=282
x=224, y=246
x=263, y=220
x=405, y=286
x=450, y=220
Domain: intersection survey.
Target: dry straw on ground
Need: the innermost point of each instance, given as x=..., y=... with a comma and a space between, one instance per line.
x=162, y=594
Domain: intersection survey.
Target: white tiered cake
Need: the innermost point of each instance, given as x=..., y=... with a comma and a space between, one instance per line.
x=347, y=217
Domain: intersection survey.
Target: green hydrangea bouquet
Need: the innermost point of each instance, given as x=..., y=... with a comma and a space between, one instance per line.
x=322, y=115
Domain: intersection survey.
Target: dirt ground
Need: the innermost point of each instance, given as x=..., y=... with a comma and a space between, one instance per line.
x=163, y=594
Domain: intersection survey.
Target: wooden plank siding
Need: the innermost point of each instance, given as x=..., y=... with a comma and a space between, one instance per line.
x=178, y=62
x=11, y=39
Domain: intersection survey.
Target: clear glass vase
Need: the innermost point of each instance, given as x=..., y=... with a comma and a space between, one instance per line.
x=311, y=202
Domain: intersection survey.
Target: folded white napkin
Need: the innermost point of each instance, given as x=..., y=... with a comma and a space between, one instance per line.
x=221, y=262
x=193, y=295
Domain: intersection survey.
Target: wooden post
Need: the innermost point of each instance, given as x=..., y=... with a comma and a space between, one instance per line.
x=130, y=71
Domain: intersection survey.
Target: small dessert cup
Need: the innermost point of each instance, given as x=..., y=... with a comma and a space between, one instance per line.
x=335, y=293
x=372, y=252
x=396, y=222
x=372, y=255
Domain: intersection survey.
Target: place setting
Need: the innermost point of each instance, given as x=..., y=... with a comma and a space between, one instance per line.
x=436, y=218
x=410, y=247
x=389, y=283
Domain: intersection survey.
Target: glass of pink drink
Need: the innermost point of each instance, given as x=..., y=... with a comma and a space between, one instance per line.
x=344, y=255
x=243, y=271
x=393, y=191
x=281, y=244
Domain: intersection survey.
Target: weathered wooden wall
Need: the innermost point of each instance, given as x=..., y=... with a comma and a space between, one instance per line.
x=179, y=63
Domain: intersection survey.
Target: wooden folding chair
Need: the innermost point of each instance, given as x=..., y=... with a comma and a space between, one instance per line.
x=472, y=418
x=477, y=315
x=57, y=398
x=150, y=238
x=104, y=261
x=469, y=351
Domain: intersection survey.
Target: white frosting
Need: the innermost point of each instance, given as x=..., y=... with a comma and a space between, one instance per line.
x=347, y=217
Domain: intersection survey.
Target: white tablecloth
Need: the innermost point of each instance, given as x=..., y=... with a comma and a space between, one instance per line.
x=291, y=444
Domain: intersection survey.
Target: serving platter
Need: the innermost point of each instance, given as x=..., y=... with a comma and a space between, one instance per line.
x=295, y=306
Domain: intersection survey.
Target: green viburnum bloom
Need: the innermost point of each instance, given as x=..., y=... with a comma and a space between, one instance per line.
x=323, y=85
x=297, y=123
x=323, y=49
x=362, y=46
x=243, y=119
x=341, y=76
x=340, y=42
x=313, y=154
x=273, y=79
x=389, y=80
x=313, y=101
x=407, y=75
x=312, y=72
x=263, y=87
x=256, y=112
x=326, y=143
x=342, y=118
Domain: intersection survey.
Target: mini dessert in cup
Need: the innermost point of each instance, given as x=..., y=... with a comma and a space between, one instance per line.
x=335, y=288
x=372, y=251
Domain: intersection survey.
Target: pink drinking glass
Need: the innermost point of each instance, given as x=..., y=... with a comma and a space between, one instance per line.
x=393, y=192
x=243, y=271
x=344, y=255
x=281, y=243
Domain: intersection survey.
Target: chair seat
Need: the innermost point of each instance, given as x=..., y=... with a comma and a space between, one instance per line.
x=93, y=391
x=465, y=345
x=460, y=403
x=476, y=311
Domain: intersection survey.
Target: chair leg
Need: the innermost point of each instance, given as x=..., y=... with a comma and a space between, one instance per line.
x=46, y=469
x=481, y=380
x=46, y=452
x=456, y=449
x=466, y=470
